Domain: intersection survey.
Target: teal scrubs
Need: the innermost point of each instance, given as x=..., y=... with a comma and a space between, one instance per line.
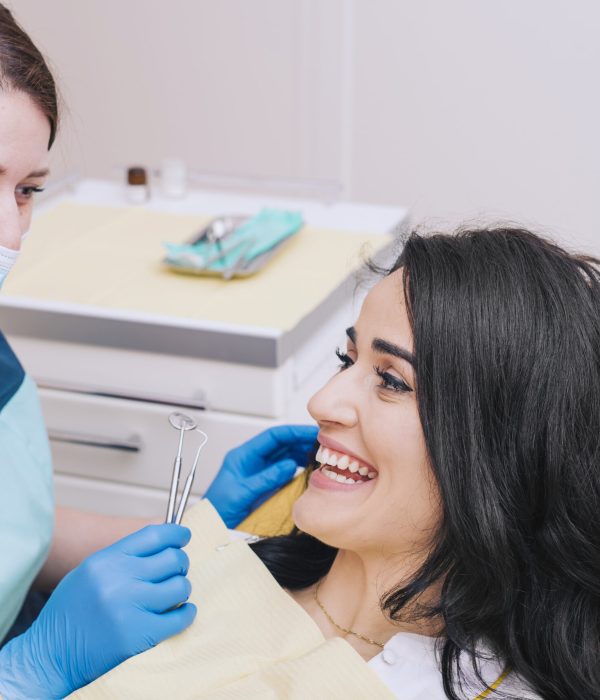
x=26, y=495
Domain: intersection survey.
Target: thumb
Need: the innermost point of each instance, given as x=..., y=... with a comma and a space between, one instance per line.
x=272, y=478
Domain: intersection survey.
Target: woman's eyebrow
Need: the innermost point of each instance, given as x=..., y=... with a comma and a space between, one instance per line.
x=385, y=347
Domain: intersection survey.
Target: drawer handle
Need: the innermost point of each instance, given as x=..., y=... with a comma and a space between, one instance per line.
x=132, y=445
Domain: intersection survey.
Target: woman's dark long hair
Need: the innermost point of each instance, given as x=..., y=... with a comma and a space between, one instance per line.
x=506, y=329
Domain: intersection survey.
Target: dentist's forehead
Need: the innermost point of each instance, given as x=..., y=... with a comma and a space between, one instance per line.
x=24, y=134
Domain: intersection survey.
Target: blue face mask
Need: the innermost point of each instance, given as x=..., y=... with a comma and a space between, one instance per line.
x=26, y=496
x=8, y=258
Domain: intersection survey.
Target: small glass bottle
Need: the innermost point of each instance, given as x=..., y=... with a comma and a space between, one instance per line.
x=137, y=185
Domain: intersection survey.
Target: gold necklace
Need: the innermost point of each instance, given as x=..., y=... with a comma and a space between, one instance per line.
x=490, y=689
x=339, y=627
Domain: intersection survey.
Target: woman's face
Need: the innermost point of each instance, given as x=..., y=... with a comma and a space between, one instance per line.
x=24, y=136
x=370, y=432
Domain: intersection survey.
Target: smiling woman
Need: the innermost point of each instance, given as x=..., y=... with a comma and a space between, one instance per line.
x=468, y=403
x=369, y=412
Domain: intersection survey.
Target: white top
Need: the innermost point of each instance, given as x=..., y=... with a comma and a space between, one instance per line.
x=409, y=667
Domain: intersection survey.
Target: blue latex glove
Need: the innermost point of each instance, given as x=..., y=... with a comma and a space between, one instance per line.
x=253, y=471
x=115, y=604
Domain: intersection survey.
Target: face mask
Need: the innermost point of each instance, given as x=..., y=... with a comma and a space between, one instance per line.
x=8, y=258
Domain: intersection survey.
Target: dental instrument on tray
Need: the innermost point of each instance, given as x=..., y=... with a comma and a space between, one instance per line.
x=234, y=246
x=183, y=423
x=218, y=229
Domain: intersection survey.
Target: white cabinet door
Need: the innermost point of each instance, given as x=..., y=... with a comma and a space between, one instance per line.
x=110, y=498
x=132, y=442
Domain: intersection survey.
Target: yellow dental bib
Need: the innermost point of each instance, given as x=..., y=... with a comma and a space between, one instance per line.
x=250, y=640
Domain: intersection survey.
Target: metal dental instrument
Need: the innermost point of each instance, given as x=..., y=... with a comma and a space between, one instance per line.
x=182, y=423
x=218, y=229
x=240, y=260
x=190, y=480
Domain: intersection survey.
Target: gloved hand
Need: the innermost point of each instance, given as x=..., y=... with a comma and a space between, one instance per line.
x=253, y=471
x=118, y=602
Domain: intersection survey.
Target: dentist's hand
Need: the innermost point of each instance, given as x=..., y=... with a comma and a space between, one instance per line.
x=255, y=470
x=117, y=603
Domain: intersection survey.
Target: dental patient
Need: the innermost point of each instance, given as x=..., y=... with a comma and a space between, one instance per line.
x=446, y=543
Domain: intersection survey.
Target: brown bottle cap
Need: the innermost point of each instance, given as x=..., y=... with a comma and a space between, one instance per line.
x=136, y=176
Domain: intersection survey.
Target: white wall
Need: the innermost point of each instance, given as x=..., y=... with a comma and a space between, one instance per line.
x=467, y=106
x=455, y=109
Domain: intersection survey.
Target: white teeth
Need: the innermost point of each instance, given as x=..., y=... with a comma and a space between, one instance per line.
x=343, y=462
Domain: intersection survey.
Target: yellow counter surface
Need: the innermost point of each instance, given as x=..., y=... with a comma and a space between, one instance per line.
x=111, y=258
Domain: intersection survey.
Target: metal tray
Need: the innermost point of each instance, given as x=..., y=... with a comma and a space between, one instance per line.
x=243, y=269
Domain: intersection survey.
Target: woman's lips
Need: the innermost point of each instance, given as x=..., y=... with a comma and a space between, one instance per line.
x=336, y=446
x=339, y=468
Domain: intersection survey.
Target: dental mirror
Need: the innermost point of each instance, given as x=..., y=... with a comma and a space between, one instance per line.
x=181, y=422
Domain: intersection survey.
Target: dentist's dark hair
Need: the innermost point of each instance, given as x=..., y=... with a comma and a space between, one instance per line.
x=23, y=69
x=506, y=329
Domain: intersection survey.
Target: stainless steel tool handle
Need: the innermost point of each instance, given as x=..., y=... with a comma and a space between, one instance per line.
x=174, y=489
x=133, y=444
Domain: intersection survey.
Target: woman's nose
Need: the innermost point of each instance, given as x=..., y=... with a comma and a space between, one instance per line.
x=335, y=402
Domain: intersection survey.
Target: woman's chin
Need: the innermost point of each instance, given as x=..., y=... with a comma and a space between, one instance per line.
x=330, y=520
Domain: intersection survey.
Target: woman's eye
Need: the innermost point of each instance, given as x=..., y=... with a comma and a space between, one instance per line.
x=25, y=192
x=390, y=382
x=345, y=359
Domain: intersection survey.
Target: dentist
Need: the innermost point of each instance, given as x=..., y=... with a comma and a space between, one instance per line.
x=127, y=597
x=108, y=602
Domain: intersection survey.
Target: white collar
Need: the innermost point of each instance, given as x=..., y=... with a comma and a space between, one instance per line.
x=408, y=666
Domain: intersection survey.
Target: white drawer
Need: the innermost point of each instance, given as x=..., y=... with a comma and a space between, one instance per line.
x=139, y=442
x=109, y=498
x=218, y=386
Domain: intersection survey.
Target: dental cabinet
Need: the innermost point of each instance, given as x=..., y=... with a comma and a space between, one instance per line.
x=116, y=342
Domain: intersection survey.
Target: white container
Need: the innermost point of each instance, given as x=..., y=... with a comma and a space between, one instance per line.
x=173, y=178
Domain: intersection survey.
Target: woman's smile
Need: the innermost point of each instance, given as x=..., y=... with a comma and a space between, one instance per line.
x=340, y=467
